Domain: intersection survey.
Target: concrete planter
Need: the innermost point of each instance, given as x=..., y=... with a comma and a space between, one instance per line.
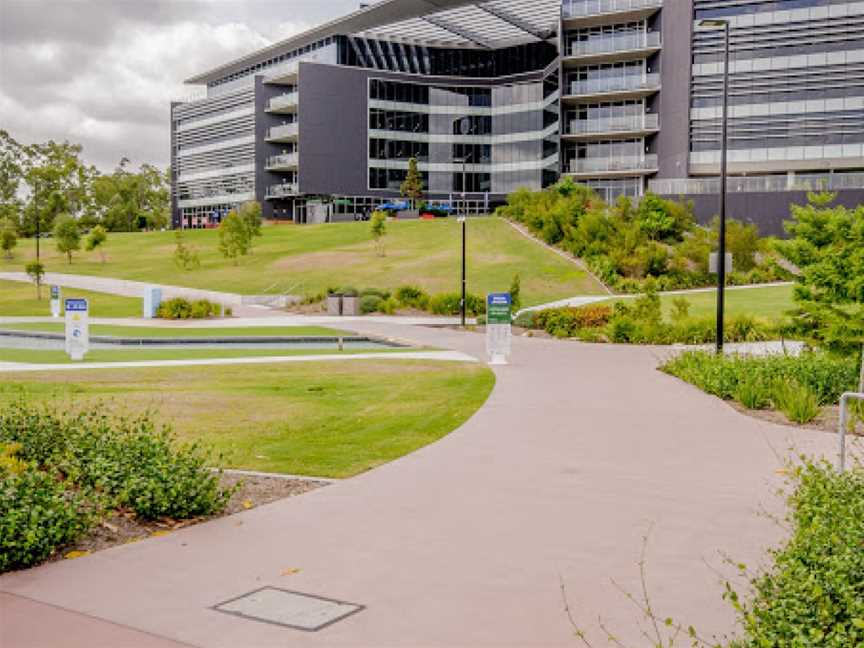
x=334, y=305
x=350, y=306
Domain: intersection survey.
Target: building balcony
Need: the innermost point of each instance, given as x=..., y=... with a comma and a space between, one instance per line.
x=284, y=162
x=614, y=48
x=614, y=166
x=613, y=88
x=587, y=13
x=613, y=127
x=283, y=134
x=285, y=104
x=284, y=190
x=285, y=74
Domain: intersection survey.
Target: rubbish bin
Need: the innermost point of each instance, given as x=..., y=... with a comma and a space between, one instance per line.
x=334, y=305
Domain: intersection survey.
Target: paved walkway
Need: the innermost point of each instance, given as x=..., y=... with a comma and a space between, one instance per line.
x=466, y=543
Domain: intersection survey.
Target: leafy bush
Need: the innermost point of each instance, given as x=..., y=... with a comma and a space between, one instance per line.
x=825, y=375
x=412, y=297
x=451, y=303
x=37, y=516
x=370, y=304
x=129, y=463
x=796, y=401
x=180, y=309
x=812, y=593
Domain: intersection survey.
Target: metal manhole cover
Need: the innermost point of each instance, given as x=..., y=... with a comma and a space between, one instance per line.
x=289, y=609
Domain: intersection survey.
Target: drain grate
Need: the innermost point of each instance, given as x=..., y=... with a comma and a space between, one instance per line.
x=289, y=609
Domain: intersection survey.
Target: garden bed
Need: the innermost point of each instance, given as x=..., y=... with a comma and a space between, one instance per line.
x=124, y=527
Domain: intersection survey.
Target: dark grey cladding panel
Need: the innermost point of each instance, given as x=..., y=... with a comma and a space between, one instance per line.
x=768, y=210
x=673, y=142
x=333, y=130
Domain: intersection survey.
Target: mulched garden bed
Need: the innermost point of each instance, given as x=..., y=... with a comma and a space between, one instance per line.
x=827, y=421
x=123, y=527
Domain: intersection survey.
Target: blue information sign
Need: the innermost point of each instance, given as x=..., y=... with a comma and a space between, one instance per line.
x=76, y=305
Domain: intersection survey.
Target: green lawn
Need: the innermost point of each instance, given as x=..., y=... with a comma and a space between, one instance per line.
x=32, y=356
x=182, y=331
x=305, y=260
x=18, y=299
x=323, y=419
x=770, y=302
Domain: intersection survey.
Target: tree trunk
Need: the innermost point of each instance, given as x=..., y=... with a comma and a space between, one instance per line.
x=861, y=380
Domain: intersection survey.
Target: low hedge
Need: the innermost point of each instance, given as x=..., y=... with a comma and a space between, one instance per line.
x=67, y=468
x=451, y=304
x=181, y=309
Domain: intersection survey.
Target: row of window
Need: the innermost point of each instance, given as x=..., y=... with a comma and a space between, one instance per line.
x=269, y=63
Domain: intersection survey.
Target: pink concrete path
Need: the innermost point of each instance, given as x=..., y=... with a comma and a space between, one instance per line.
x=466, y=543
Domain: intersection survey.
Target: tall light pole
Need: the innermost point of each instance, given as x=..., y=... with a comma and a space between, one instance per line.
x=464, y=128
x=724, y=139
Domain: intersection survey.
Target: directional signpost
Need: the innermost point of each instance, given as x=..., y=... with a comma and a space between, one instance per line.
x=499, y=320
x=77, y=328
x=55, y=301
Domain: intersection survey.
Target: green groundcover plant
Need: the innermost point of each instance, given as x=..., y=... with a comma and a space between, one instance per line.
x=68, y=469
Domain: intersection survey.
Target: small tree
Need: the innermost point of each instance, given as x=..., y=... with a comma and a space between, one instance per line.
x=36, y=272
x=250, y=214
x=516, y=292
x=8, y=237
x=412, y=188
x=185, y=257
x=67, y=235
x=96, y=240
x=234, y=240
x=379, y=231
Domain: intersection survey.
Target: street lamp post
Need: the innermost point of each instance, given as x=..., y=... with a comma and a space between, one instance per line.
x=464, y=128
x=724, y=137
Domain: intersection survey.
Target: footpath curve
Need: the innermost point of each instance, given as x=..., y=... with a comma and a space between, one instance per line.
x=579, y=450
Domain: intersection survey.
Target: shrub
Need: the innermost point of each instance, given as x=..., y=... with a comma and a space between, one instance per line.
x=753, y=394
x=128, y=463
x=37, y=516
x=389, y=306
x=812, y=593
x=796, y=401
x=345, y=291
x=412, y=297
x=370, y=304
x=825, y=375
x=179, y=309
x=450, y=304
x=375, y=292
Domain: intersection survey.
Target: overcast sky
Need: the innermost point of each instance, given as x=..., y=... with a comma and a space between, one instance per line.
x=102, y=73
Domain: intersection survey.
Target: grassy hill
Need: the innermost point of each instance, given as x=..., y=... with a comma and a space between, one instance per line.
x=18, y=299
x=305, y=260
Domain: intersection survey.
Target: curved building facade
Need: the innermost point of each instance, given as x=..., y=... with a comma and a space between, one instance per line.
x=493, y=96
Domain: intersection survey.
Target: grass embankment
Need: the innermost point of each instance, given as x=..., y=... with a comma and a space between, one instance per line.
x=332, y=420
x=182, y=331
x=771, y=302
x=308, y=259
x=18, y=299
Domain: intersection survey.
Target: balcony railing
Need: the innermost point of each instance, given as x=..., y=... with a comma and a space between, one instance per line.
x=760, y=184
x=288, y=100
x=284, y=160
x=630, y=82
x=285, y=131
x=289, y=69
x=284, y=190
x=615, y=43
x=614, y=164
x=622, y=124
x=581, y=8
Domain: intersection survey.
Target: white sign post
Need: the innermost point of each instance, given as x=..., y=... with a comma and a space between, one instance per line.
x=55, y=301
x=499, y=321
x=77, y=328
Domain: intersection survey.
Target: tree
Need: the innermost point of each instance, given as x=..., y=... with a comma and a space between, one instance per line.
x=250, y=214
x=12, y=160
x=96, y=240
x=516, y=292
x=185, y=257
x=126, y=201
x=36, y=272
x=234, y=238
x=8, y=237
x=828, y=248
x=379, y=230
x=67, y=236
x=412, y=188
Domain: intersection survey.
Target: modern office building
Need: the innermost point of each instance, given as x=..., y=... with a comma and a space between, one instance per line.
x=621, y=95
